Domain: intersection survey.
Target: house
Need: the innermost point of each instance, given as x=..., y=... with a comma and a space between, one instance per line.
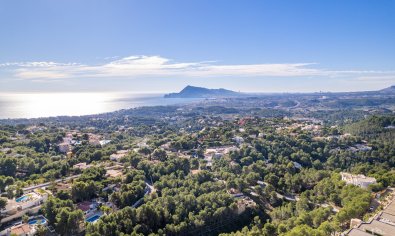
x=243, y=203
x=113, y=173
x=81, y=166
x=166, y=146
x=362, y=147
x=84, y=206
x=62, y=187
x=375, y=227
x=104, y=142
x=195, y=172
x=358, y=180
x=297, y=165
x=64, y=147
x=212, y=152
x=261, y=183
x=20, y=230
x=218, y=152
x=238, y=140
x=118, y=155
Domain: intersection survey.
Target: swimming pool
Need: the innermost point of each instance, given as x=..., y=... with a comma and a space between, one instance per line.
x=37, y=221
x=93, y=218
x=23, y=198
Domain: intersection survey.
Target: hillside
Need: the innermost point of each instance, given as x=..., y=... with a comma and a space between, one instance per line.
x=388, y=90
x=199, y=92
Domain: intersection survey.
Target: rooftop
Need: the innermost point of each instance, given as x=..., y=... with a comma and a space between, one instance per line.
x=358, y=232
x=378, y=227
x=387, y=218
x=23, y=229
x=84, y=206
x=81, y=166
x=390, y=209
x=113, y=173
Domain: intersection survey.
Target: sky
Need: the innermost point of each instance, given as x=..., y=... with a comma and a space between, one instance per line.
x=162, y=46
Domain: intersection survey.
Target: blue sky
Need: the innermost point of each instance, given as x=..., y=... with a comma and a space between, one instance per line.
x=161, y=46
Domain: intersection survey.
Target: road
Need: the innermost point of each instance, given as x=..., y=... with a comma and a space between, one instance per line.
x=150, y=189
x=296, y=198
x=31, y=188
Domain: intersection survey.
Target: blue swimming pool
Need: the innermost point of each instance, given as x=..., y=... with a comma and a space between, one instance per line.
x=93, y=218
x=40, y=220
x=23, y=198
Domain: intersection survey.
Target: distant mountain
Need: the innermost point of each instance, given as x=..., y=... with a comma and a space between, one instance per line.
x=388, y=90
x=199, y=92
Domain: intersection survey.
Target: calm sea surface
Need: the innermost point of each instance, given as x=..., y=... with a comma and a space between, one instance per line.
x=33, y=105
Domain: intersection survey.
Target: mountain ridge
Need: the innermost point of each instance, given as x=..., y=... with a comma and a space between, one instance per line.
x=390, y=89
x=201, y=92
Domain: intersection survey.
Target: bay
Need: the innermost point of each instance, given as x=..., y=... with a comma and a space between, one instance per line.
x=35, y=105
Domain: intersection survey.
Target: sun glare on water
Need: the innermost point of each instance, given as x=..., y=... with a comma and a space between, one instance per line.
x=57, y=104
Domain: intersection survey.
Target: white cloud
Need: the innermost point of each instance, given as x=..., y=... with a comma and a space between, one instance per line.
x=143, y=66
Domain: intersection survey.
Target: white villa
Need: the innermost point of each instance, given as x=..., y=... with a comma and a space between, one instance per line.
x=358, y=180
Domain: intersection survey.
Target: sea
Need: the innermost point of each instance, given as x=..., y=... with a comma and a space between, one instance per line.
x=35, y=105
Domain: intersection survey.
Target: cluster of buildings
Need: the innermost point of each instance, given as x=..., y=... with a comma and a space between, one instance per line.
x=32, y=200
x=28, y=228
x=28, y=204
x=74, y=138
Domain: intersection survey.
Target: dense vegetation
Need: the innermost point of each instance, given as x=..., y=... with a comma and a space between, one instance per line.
x=280, y=176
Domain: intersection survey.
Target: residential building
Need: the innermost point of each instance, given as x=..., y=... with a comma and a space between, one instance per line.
x=20, y=230
x=113, y=173
x=64, y=147
x=358, y=180
x=382, y=224
x=81, y=166
x=118, y=155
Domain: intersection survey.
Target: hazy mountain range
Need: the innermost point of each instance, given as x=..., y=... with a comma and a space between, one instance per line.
x=200, y=92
